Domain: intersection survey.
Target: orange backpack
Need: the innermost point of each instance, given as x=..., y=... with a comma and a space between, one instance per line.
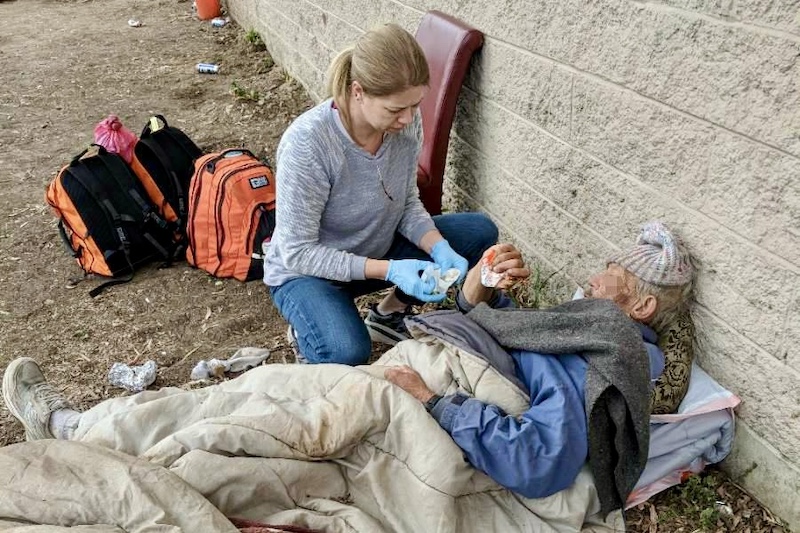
x=231, y=214
x=105, y=218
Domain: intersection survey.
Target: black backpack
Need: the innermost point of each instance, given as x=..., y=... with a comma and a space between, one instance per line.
x=106, y=219
x=163, y=160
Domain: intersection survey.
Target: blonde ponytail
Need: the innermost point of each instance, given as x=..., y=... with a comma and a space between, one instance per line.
x=340, y=78
x=384, y=61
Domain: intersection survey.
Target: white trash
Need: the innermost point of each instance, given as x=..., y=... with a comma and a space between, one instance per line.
x=243, y=359
x=443, y=281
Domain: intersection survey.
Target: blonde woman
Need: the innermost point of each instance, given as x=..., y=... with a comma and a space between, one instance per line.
x=349, y=220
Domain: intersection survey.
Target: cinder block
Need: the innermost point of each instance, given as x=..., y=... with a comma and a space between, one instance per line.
x=768, y=388
x=740, y=77
x=747, y=187
x=330, y=29
x=720, y=8
x=747, y=289
x=544, y=230
x=789, y=351
x=530, y=86
x=755, y=464
x=288, y=26
x=779, y=15
x=301, y=69
x=366, y=15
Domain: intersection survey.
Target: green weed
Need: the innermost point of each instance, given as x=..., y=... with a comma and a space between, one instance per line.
x=700, y=499
x=536, y=292
x=243, y=93
x=254, y=38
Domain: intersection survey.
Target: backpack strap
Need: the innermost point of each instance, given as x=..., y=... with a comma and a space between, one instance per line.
x=110, y=283
x=147, y=211
x=116, y=219
x=176, y=183
x=62, y=232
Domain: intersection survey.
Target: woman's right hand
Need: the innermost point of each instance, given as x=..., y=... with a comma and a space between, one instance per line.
x=407, y=275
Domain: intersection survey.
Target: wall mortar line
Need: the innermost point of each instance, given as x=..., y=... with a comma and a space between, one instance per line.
x=782, y=262
x=624, y=89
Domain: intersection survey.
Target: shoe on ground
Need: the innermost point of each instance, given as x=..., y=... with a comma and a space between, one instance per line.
x=388, y=329
x=30, y=398
x=291, y=336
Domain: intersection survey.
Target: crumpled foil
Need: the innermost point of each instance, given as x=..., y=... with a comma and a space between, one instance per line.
x=132, y=378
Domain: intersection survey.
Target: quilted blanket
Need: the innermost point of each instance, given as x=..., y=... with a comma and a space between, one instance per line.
x=325, y=447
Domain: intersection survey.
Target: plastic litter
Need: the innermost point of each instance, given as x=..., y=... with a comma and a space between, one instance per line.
x=133, y=23
x=243, y=359
x=489, y=278
x=443, y=281
x=114, y=137
x=219, y=22
x=132, y=378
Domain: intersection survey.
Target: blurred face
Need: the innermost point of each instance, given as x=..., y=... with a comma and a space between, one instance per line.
x=390, y=113
x=615, y=284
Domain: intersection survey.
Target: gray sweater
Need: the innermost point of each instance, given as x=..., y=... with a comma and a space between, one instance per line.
x=617, y=378
x=332, y=211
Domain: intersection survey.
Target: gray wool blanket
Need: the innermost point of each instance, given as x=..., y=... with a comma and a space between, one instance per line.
x=617, y=380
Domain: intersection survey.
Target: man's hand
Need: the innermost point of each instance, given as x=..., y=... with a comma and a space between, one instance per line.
x=410, y=381
x=507, y=260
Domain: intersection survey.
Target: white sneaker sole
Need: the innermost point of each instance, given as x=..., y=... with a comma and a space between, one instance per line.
x=9, y=386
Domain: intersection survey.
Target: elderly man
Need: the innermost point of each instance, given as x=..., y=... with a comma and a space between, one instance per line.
x=541, y=452
x=589, y=400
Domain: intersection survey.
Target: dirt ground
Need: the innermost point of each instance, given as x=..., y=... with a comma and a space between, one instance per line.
x=67, y=64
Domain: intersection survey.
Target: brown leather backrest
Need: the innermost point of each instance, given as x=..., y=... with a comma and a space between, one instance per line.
x=448, y=44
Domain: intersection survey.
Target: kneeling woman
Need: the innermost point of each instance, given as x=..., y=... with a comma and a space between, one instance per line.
x=349, y=220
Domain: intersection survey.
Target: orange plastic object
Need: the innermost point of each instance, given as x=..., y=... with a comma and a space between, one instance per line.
x=208, y=9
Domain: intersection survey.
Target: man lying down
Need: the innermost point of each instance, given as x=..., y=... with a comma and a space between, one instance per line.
x=551, y=408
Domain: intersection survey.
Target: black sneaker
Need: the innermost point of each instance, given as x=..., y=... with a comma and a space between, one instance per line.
x=388, y=329
x=291, y=336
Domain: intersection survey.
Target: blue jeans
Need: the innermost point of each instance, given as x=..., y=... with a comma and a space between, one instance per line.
x=324, y=315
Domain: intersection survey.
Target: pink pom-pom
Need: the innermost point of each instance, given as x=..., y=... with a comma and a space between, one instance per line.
x=114, y=137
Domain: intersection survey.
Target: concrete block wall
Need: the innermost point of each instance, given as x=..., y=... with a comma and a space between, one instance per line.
x=579, y=120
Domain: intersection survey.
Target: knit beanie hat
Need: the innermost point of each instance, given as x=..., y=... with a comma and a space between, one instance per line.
x=658, y=257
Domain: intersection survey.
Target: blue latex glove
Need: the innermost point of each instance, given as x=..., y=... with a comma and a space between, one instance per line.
x=447, y=258
x=406, y=274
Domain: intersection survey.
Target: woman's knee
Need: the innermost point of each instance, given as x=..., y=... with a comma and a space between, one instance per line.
x=485, y=230
x=336, y=347
x=470, y=234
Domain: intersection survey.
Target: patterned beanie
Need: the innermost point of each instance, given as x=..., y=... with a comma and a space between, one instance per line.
x=658, y=257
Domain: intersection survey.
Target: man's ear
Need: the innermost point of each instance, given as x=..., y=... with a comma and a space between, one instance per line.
x=645, y=309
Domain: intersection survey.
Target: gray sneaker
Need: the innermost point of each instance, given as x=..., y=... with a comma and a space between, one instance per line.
x=30, y=398
x=291, y=336
x=388, y=329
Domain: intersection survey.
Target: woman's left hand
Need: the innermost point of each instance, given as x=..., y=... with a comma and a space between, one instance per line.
x=447, y=258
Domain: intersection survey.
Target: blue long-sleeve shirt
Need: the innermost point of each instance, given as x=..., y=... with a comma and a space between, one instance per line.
x=542, y=451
